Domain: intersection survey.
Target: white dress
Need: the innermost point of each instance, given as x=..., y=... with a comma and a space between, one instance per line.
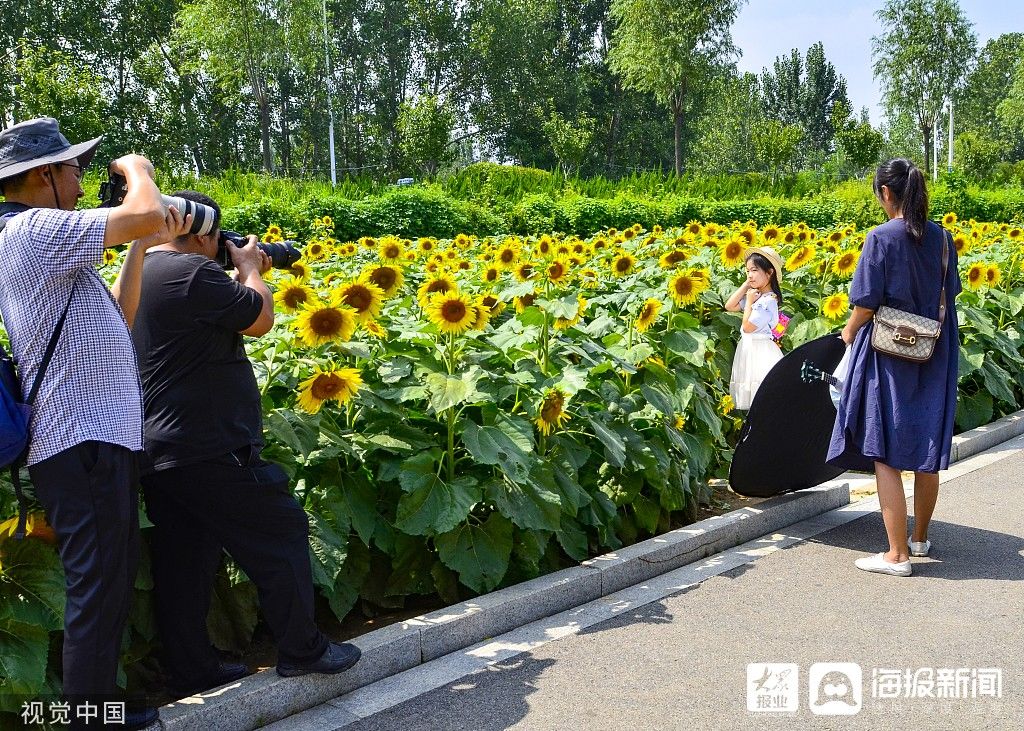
x=756, y=353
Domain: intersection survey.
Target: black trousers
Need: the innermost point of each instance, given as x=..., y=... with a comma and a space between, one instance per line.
x=90, y=494
x=241, y=505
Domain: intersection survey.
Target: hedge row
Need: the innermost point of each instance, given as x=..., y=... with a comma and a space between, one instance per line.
x=427, y=211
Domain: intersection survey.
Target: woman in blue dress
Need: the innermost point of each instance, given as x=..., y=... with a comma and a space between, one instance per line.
x=893, y=414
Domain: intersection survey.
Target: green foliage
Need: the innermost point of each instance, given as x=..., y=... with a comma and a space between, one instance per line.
x=425, y=128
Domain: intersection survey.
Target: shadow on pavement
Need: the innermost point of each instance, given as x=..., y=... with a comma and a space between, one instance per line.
x=958, y=551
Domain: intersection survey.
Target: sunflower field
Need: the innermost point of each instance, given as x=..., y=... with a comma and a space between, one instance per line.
x=462, y=414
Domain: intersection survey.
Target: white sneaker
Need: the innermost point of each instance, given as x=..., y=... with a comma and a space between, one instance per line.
x=879, y=565
x=919, y=549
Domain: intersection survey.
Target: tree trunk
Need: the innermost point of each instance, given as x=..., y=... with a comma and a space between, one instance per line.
x=677, y=116
x=926, y=131
x=268, y=157
x=286, y=147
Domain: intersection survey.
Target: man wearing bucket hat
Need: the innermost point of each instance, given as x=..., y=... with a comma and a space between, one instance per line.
x=87, y=414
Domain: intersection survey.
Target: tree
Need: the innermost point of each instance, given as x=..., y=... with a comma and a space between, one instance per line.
x=988, y=84
x=976, y=154
x=666, y=47
x=921, y=59
x=804, y=93
x=725, y=129
x=569, y=140
x=1010, y=111
x=425, y=129
x=860, y=142
x=775, y=144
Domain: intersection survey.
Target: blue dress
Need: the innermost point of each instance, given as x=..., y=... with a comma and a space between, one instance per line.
x=893, y=411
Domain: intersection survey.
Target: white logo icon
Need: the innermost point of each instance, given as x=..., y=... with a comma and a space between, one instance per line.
x=835, y=688
x=773, y=687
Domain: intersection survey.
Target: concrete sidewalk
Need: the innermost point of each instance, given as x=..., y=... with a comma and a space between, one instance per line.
x=681, y=662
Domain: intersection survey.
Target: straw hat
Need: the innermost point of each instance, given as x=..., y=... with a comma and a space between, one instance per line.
x=770, y=254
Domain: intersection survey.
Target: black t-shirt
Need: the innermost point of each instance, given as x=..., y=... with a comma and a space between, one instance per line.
x=199, y=391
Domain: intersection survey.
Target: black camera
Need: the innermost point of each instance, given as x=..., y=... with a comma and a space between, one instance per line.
x=113, y=191
x=282, y=255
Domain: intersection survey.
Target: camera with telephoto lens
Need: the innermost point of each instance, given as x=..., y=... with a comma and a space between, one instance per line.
x=282, y=254
x=113, y=191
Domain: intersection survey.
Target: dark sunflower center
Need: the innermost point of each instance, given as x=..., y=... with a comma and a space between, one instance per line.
x=326, y=385
x=358, y=297
x=326, y=322
x=383, y=277
x=294, y=296
x=453, y=311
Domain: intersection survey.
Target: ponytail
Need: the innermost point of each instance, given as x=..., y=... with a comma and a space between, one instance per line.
x=906, y=183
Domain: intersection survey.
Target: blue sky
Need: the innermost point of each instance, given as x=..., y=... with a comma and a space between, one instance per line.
x=766, y=29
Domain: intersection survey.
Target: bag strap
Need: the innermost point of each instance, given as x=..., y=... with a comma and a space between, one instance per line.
x=945, y=269
x=19, y=532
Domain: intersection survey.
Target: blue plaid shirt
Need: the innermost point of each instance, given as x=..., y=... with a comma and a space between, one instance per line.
x=91, y=388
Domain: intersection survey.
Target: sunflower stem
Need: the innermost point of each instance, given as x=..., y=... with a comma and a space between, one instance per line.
x=451, y=445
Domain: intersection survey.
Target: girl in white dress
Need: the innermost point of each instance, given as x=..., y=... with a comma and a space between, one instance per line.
x=759, y=298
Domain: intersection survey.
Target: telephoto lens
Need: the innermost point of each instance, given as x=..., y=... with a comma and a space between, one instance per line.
x=113, y=191
x=282, y=255
x=203, y=217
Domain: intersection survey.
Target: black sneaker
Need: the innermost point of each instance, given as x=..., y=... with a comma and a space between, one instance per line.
x=140, y=718
x=337, y=658
x=227, y=672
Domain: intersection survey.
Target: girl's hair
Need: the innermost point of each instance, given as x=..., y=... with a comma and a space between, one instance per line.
x=906, y=183
x=762, y=263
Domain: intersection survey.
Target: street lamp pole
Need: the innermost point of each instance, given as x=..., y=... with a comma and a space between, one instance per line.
x=330, y=100
x=950, y=162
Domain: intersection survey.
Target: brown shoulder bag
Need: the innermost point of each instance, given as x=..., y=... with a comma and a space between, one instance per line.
x=905, y=335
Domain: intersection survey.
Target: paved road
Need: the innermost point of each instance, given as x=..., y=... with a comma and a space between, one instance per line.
x=681, y=663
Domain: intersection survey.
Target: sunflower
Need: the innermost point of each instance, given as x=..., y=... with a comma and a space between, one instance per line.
x=481, y=314
x=463, y=241
x=836, y=306
x=684, y=288
x=976, y=275
x=679, y=422
x=366, y=298
x=493, y=304
x=711, y=230
x=389, y=278
x=693, y=228
x=789, y=237
x=368, y=242
x=961, y=244
x=491, y=275
x=331, y=385
x=425, y=245
x=436, y=285
x=670, y=258
x=1015, y=233
x=726, y=405
x=507, y=256
x=623, y=264
x=589, y=279
x=835, y=237
x=292, y=293
x=748, y=235
x=551, y=414
x=524, y=301
x=949, y=219
x=800, y=257
x=315, y=251
x=451, y=311
x=770, y=233
x=391, y=251
x=543, y=246
x=732, y=252
x=525, y=271
x=301, y=270
x=274, y=230
x=993, y=275
x=564, y=323
x=648, y=314
x=109, y=256
x=323, y=323
x=844, y=264
x=374, y=329
x=557, y=271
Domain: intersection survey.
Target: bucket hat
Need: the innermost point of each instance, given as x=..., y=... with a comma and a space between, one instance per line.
x=37, y=142
x=770, y=254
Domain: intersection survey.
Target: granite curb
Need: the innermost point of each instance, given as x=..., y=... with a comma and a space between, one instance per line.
x=265, y=697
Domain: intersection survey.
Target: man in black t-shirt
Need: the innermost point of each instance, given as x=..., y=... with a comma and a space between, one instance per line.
x=206, y=489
